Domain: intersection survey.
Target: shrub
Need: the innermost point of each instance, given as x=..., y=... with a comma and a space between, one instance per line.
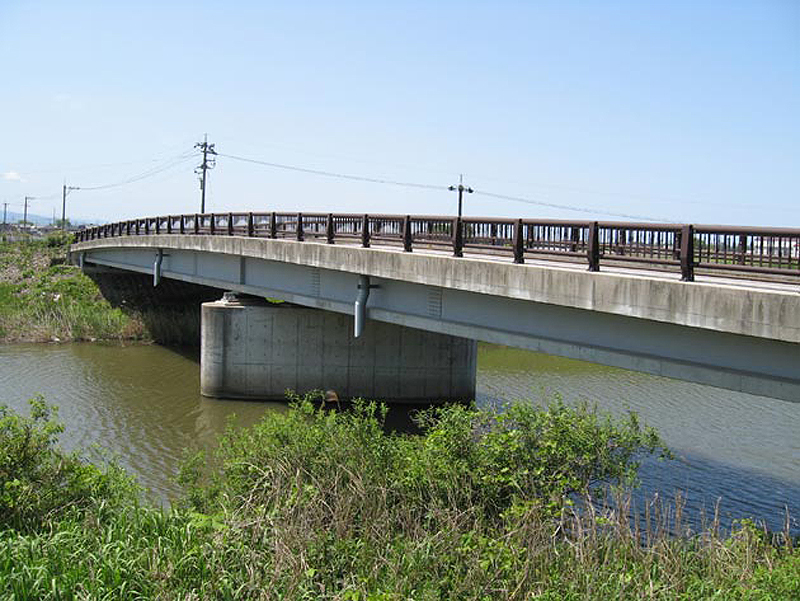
x=38, y=481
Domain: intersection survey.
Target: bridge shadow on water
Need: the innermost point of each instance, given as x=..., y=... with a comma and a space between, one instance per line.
x=192, y=353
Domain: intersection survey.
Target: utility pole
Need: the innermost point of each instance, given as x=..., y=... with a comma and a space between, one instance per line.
x=64, y=191
x=461, y=189
x=208, y=163
x=25, y=211
x=5, y=211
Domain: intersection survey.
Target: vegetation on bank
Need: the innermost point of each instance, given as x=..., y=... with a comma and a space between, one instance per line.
x=313, y=503
x=42, y=298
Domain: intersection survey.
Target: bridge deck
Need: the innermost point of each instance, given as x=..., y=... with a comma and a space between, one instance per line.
x=745, y=281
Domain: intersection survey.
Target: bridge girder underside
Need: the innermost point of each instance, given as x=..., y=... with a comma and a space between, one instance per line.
x=737, y=362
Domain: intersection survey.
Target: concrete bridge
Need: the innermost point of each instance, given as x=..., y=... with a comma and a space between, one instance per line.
x=709, y=304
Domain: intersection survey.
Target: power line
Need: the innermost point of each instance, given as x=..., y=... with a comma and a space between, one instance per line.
x=376, y=180
x=553, y=205
x=170, y=164
x=358, y=178
x=73, y=169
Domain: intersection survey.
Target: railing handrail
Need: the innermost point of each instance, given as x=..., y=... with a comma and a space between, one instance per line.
x=712, y=248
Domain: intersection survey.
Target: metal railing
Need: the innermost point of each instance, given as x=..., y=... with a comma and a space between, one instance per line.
x=709, y=248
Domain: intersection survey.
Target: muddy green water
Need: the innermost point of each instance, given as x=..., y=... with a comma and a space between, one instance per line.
x=142, y=403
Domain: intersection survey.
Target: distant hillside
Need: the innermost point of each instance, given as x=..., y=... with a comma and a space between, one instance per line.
x=13, y=217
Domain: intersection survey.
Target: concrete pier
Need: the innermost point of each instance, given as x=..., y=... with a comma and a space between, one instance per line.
x=253, y=349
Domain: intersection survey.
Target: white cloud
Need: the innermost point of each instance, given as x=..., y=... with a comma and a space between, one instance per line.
x=12, y=176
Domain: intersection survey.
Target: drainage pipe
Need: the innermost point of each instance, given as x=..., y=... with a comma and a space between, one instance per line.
x=157, y=267
x=360, y=309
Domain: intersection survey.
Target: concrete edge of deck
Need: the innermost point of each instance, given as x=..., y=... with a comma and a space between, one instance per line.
x=759, y=312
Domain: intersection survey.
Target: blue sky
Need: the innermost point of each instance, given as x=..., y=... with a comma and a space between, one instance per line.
x=678, y=111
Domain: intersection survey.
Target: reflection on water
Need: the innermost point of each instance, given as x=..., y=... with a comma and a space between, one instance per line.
x=143, y=404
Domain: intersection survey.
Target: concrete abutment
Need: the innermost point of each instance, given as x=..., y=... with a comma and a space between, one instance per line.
x=254, y=349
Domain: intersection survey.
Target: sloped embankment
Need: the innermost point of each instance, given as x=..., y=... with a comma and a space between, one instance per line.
x=42, y=298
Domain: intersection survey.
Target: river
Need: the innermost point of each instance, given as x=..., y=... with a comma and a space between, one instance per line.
x=142, y=404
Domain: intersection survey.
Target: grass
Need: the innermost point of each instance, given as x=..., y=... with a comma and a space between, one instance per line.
x=44, y=299
x=318, y=504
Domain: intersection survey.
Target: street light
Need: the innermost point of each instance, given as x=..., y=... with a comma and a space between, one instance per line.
x=461, y=189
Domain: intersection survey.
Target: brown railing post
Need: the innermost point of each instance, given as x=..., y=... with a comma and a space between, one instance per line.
x=458, y=238
x=147, y=225
x=687, y=253
x=622, y=241
x=299, y=228
x=408, y=239
x=158, y=225
x=742, y=248
x=593, y=250
x=212, y=224
x=329, y=231
x=273, y=225
x=519, y=243
x=230, y=224
x=575, y=237
x=676, y=246
x=365, y=231
x=196, y=223
x=169, y=224
x=183, y=224
x=251, y=228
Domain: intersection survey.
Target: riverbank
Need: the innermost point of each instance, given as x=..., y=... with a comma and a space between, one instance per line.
x=44, y=299
x=311, y=503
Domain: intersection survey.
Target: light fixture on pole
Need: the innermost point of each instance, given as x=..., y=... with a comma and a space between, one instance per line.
x=461, y=189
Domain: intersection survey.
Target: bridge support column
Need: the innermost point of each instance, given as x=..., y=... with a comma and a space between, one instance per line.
x=253, y=349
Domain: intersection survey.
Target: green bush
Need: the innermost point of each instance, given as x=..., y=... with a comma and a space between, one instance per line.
x=319, y=504
x=38, y=481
